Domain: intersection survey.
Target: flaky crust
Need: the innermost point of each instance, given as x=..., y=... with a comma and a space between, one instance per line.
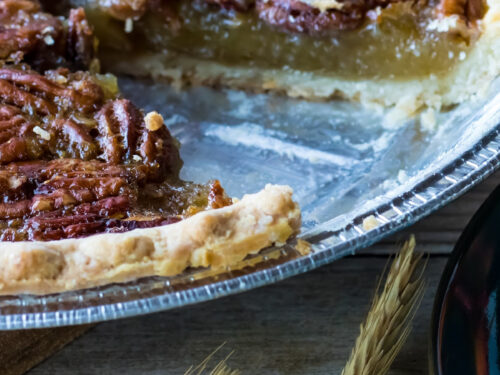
x=215, y=238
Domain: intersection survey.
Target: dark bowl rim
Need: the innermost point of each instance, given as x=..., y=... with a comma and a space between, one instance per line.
x=461, y=246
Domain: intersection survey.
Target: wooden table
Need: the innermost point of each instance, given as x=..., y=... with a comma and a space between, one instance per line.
x=303, y=325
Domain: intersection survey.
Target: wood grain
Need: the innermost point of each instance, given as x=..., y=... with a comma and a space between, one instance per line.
x=21, y=350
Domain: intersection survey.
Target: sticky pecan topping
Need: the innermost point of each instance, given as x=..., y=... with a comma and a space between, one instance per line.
x=80, y=39
x=29, y=35
x=297, y=16
x=76, y=159
x=66, y=198
x=63, y=114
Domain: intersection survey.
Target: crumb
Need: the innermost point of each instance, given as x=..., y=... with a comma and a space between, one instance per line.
x=405, y=108
x=48, y=40
x=370, y=223
x=48, y=30
x=402, y=176
x=428, y=120
x=129, y=25
x=14, y=182
x=303, y=247
x=269, y=85
x=154, y=121
x=42, y=133
x=61, y=79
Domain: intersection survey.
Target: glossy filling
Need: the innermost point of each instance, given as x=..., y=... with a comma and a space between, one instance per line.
x=397, y=45
x=68, y=198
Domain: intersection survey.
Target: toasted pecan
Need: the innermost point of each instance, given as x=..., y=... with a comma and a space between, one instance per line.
x=298, y=16
x=63, y=114
x=29, y=35
x=73, y=156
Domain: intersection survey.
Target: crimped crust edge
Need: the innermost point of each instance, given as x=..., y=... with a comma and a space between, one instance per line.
x=215, y=238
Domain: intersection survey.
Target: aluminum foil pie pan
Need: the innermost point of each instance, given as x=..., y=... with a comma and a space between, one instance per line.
x=357, y=179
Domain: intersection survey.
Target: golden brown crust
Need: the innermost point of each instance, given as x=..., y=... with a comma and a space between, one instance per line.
x=216, y=238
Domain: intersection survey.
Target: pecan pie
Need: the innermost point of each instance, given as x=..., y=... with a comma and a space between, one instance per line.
x=408, y=53
x=89, y=184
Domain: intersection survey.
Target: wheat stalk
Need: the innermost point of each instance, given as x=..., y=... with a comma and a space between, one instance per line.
x=220, y=369
x=385, y=328
x=388, y=322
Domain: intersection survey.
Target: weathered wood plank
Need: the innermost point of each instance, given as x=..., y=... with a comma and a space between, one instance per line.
x=22, y=350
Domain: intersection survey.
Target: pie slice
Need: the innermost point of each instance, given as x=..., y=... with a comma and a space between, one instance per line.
x=89, y=184
x=408, y=53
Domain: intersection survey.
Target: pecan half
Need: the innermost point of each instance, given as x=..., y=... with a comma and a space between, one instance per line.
x=123, y=136
x=29, y=35
x=119, y=127
x=297, y=16
x=66, y=115
x=84, y=219
x=80, y=42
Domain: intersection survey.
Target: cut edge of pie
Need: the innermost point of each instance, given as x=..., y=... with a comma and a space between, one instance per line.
x=214, y=238
x=470, y=75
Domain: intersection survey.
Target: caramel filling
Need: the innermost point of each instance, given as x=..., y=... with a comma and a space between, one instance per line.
x=398, y=42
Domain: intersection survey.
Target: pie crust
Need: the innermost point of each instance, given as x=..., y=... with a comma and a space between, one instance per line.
x=215, y=238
